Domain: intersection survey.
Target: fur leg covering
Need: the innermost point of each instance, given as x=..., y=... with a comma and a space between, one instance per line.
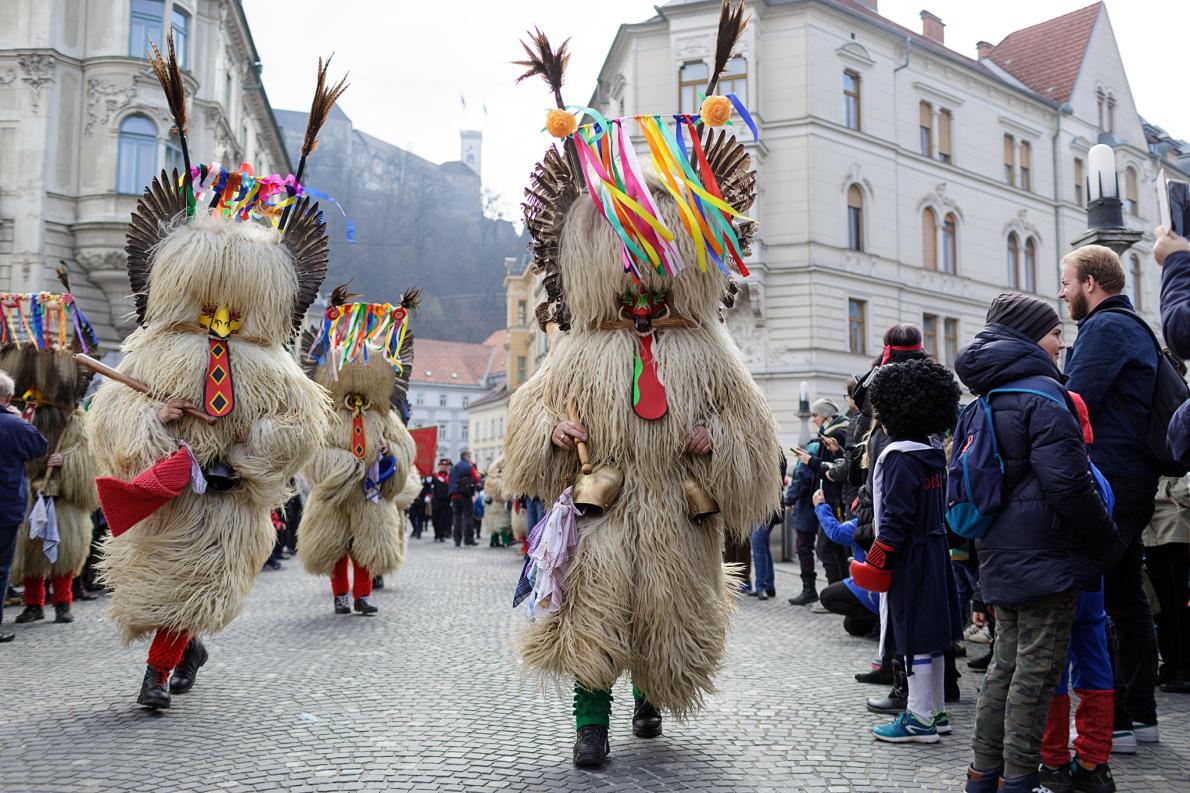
x=34, y=591
x=167, y=649
x=63, y=593
x=1054, y=746
x=339, y=584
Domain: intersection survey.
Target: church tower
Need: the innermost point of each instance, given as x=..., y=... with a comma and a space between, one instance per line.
x=471, y=149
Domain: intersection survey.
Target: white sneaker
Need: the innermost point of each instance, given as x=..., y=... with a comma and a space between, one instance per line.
x=1123, y=742
x=978, y=635
x=1145, y=733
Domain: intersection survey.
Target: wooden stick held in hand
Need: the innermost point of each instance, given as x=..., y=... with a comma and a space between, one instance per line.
x=584, y=456
x=136, y=385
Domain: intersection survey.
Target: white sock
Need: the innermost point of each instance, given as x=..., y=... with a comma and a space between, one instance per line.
x=923, y=692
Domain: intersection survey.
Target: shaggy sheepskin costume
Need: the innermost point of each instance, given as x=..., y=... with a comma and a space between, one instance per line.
x=340, y=521
x=497, y=517
x=646, y=591
x=211, y=287
x=48, y=386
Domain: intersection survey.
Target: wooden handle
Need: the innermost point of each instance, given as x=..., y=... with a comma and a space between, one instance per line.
x=584, y=456
x=136, y=385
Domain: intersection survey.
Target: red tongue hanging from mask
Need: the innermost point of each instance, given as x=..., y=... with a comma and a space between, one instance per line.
x=648, y=394
x=219, y=397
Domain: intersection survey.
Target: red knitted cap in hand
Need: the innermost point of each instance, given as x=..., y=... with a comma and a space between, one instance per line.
x=125, y=504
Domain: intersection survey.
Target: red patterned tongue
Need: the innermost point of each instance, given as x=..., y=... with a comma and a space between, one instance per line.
x=648, y=395
x=219, y=398
x=359, y=439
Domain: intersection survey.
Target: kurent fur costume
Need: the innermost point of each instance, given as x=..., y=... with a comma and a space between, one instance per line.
x=647, y=592
x=339, y=519
x=212, y=286
x=49, y=385
x=497, y=515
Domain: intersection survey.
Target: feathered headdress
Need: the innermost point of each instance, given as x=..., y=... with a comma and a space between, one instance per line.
x=707, y=173
x=241, y=195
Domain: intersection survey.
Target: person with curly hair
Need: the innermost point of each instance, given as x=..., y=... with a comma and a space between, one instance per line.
x=915, y=402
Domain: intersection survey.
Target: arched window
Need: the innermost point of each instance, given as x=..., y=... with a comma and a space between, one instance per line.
x=1131, y=206
x=1030, y=279
x=1014, y=261
x=855, y=218
x=692, y=80
x=1132, y=282
x=950, y=243
x=734, y=79
x=137, y=159
x=929, y=239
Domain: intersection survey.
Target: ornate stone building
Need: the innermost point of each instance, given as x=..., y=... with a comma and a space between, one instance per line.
x=900, y=180
x=84, y=127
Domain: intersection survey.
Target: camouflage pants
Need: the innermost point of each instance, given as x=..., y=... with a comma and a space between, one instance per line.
x=1032, y=641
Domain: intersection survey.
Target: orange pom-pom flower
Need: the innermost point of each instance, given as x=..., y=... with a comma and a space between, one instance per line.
x=560, y=123
x=716, y=110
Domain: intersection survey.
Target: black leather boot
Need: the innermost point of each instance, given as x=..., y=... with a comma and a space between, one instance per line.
x=31, y=614
x=646, y=720
x=808, y=596
x=591, y=747
x=80, y=592
x=62, y=613
x=153, y=693
x=187, y=671
x=898, y=698
x=364, y=606
x=880, y=677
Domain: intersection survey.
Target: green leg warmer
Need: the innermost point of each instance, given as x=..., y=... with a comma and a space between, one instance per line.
x=591, y=707
x=637, y=694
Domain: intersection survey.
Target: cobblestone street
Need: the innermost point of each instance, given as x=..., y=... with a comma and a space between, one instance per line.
x=425, y=696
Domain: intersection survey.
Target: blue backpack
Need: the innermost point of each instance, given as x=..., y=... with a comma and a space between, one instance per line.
x=975, y=488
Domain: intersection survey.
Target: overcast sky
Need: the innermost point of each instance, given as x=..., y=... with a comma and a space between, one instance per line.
x=410, y=62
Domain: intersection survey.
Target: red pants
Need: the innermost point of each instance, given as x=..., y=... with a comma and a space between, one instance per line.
x=167, y=649
x=1092, y=718
x=363, y=579
x=60, y=585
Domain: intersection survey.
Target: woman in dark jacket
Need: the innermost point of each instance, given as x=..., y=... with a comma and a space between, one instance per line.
x=1047, y=542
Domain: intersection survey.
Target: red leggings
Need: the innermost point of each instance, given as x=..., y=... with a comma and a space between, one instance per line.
x=167, y=649
x=363, y=579
x=60, y=584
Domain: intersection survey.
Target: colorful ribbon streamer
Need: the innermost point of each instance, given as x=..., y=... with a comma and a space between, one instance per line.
x=47, y=320
x=354, y=330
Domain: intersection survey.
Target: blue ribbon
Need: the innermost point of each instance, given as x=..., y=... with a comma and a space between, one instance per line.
x=743, y=111
x=321, y=196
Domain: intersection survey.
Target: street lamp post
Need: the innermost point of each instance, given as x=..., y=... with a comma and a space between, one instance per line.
x=1105, y=211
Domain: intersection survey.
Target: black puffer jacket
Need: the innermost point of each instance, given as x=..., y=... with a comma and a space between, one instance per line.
x=1054, y=533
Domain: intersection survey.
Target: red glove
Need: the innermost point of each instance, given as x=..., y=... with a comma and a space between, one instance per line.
x=874, y=574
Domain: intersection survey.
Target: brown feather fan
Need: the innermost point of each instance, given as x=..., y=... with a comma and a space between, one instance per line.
x=157, y=212
x=732, y=166
x=410, y=301
x=553, y=188
x=305, y=239
x=170, y=77
x=731, y=27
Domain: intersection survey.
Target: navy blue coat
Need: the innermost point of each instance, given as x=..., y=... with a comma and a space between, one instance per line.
x=1175, y=303
x=1054, y=532
x=800, y=494
x=923, y=601
x=1113, y=366
x=20, y=442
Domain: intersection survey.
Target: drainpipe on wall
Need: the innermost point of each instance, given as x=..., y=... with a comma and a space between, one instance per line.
x=1064, y=110
x=897, y=149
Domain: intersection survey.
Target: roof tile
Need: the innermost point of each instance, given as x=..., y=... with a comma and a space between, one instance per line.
x=1047, y=56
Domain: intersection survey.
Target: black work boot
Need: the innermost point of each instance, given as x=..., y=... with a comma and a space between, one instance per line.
x=62, y=613
x=153, y=693
x=80, y=592
x=31, y=613
x=898, y=698
x=364, y=606
x=646, y=719
x=809, y=595
x=1055, y=780
x=342, y=604
x=187, y=671
x=591, y=747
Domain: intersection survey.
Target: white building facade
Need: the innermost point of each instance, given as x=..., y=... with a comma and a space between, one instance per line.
x=84, y=127
x=899, y=181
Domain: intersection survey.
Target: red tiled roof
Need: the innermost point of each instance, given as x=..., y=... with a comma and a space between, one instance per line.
x=1047, y=56
x=455, y=362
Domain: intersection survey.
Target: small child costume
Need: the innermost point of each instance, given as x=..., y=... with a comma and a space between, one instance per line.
x=646, y=363
x=355, y=513
x=497, y=517
x=39, y=333
x=909, y=559
x=219, y=297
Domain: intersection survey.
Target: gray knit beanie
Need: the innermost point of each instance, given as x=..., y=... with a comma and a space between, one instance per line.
x=1029, y=315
